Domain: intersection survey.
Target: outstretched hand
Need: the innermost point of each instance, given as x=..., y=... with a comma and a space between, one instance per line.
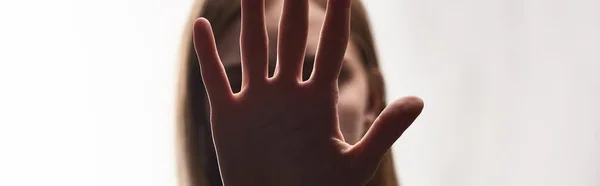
x=285, y=131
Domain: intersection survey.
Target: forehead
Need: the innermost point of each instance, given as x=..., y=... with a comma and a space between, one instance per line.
x=228, y=46
x=315, y=21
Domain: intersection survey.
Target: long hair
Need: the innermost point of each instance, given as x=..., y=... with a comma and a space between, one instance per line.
x=197, y=163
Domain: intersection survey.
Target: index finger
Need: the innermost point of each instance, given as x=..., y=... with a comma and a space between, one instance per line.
x=332, y=44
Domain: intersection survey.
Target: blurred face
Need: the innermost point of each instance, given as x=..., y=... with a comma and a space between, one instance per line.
x=354, y=94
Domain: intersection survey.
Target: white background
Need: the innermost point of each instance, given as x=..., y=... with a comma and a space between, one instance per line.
x=512, y=90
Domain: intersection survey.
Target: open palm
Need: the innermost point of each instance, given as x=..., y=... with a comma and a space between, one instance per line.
x=284, y=131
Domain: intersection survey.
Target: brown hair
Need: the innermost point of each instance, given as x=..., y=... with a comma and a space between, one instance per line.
x=197, y=163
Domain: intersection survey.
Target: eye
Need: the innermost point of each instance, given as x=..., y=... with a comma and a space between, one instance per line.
x=345, y=74
x=234, y=74
x=308, y=68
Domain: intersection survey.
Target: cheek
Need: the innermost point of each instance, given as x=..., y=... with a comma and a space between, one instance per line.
x=350, y=122
x=351, y=112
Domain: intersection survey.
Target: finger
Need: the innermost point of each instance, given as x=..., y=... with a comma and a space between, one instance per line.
x=254, y=42
x=386, y=129
x=333, y=42
x=293, y=32
x=211, y=68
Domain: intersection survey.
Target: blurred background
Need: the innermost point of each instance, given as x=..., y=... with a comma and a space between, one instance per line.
x=512, y=90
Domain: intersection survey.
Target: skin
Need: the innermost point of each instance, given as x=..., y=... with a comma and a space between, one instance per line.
x=353, y=94
x=285, y=131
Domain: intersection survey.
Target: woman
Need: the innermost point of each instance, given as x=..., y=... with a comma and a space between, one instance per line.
x=249, y=85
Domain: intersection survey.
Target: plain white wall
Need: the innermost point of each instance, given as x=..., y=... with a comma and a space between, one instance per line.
x=511, y=88
x=87, y=90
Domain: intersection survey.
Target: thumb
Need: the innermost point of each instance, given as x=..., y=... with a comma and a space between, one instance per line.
x=386, y=129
